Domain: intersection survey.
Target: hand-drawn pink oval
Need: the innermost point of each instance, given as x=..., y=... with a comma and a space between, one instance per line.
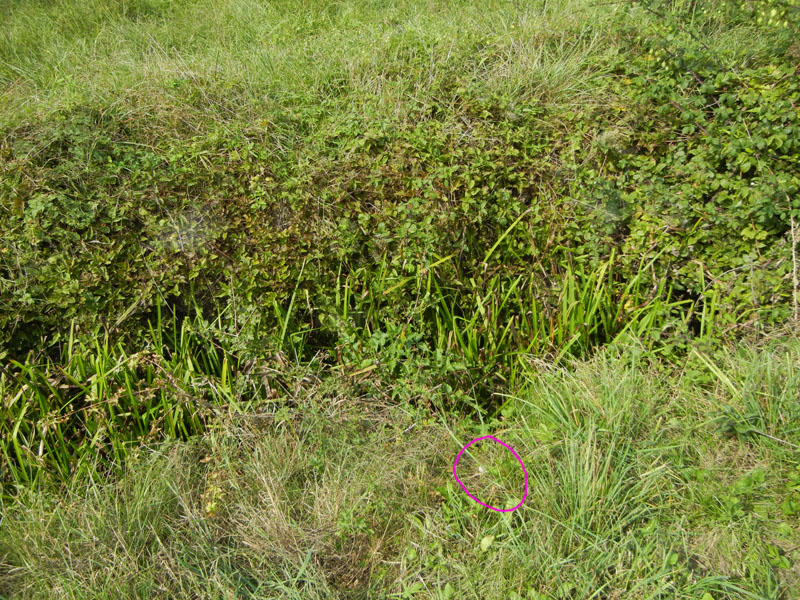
x=519, y=460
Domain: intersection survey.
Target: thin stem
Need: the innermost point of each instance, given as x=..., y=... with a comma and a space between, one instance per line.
x=795, y=284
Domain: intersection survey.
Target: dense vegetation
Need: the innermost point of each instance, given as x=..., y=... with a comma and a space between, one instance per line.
x=457, y=216
x=640, y=487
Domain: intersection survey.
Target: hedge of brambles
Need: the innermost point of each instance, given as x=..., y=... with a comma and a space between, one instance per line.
x=691, y=160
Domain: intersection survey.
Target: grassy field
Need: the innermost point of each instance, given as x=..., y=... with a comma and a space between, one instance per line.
x=267, y=266
x=192, y=65
x=646, y=481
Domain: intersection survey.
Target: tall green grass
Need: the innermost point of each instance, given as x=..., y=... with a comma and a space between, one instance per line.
x=635, y=492
x=495, y=322
x=96, y=399
x=272, y=66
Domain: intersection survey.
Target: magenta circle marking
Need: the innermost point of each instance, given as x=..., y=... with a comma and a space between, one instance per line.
x=519, y=460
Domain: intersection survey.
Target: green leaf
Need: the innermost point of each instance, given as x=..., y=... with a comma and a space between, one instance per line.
x=412, y=589
x=790, y=506
x=486, y=542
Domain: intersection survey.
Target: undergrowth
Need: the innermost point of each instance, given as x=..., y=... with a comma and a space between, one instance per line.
x=266, y=267
x=642, y=484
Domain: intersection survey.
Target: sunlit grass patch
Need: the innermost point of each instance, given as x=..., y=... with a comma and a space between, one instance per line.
x=632, y=493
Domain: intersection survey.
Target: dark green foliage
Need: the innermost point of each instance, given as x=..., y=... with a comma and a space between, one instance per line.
x=438, y=246
x=710, y=167
x=88, y=405
x=694, y=162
